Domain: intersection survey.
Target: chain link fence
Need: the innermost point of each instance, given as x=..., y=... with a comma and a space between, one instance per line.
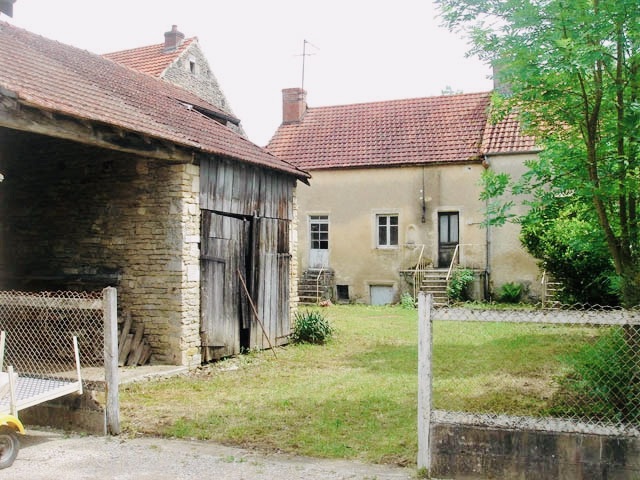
x=39, y=329
x=573, y=369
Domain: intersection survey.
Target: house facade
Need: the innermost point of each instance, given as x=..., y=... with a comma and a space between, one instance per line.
x=180, y=61
x=115, y=178
x=396, y=186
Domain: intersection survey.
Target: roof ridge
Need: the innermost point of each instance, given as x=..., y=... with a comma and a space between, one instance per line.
x=401, y=100
x=153, y=45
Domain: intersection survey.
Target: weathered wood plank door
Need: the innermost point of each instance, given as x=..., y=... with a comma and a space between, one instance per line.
x=224, y=244
x=270, y=281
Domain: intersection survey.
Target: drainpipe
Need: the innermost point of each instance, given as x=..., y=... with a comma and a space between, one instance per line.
x=487, y=266
x=423, y=218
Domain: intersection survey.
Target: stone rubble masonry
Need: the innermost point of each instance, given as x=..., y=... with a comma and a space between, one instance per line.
x=94, y=211
x=202, y=82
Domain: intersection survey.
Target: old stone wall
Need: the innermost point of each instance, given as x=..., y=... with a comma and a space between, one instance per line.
x=471, y=452
x=91, y=218
x=201, y=82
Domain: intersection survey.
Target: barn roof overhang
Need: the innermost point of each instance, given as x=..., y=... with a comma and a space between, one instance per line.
x=19, y=114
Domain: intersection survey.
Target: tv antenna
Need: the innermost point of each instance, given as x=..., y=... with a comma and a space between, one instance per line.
x=304, y=56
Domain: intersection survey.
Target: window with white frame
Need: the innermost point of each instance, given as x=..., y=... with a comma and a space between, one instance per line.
x=387, y=230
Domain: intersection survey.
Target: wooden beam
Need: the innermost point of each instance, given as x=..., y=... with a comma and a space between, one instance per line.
x=36, y=301
x=19, y=116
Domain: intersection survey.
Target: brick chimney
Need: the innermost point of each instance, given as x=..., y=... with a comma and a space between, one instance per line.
x=294, y=104
x=6, y=7
x=173, y=39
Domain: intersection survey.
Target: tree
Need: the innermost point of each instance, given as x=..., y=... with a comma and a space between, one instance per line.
x=563, y=235
x=571, y=68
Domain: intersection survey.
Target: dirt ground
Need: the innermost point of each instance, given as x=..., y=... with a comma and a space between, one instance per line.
x=46, y=455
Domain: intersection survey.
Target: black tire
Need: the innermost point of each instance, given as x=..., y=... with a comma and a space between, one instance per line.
x=9, y=446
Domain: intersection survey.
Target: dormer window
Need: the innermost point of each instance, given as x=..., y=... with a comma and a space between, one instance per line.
x=192, y=65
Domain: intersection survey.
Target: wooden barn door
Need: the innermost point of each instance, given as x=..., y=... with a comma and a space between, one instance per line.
x=224, y=245
x=270, y=281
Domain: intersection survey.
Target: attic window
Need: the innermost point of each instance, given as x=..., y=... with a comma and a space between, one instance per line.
x=192, y=64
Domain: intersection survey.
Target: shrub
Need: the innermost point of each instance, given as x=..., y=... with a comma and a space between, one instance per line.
x=311, y=327
x=407, y=302
x=459, y=282
x=510, y=292
x=602, y=382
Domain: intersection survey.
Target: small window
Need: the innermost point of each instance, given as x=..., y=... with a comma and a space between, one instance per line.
x=342, y=292
x=387, y=230
x=192, y=64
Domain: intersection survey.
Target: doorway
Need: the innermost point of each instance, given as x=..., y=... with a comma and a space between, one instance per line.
x=448, y=237
x=319, y=241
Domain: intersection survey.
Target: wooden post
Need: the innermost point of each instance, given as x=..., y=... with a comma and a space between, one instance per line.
x=425, y=344
x=111, y=376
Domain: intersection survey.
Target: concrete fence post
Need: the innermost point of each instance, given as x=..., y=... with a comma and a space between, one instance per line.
x=111, y=375
x=425, y=344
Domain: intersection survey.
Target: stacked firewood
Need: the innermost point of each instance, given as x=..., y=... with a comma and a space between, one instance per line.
x=133, y=348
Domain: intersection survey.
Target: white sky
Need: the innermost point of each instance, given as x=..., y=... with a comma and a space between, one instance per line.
x=366, y=50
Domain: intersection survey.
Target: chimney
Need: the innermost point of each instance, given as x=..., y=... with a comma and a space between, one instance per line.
x=294, y=104
x=173, y=39
x=499, y=86
x=6, y=7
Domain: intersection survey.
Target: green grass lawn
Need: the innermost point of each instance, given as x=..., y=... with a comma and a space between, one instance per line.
x=355, y=397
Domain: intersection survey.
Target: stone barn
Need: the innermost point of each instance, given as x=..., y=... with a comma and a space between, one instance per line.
x=114, y=178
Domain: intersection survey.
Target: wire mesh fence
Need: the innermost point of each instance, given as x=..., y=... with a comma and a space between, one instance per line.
x=569, y=368
x=39, y=330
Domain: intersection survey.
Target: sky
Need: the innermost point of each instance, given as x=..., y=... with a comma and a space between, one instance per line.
x=358, y=50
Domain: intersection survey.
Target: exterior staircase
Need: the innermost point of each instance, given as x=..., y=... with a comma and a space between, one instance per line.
x=434, y=281
x=551, y=290
x=314, y=286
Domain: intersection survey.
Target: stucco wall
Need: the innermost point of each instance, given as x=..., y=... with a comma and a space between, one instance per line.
x=353, y=197
x=508, y=259
x=70, y=210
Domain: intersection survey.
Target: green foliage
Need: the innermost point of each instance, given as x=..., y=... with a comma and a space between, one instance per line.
x=494, y=187
x=570, y=69
x=407, y=302
x=602, y=383
x=570, y=247
x=311, y=326
x=459, y=283
x=510, y=292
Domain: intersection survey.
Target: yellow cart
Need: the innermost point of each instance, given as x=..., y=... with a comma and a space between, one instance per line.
x=18, y=392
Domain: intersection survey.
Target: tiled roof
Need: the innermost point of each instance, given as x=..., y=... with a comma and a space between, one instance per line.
x=506, y=136
x=431, y=130
x=152, y=60
x=63, y=79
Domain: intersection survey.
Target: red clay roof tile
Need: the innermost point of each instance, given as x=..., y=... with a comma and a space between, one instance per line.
x=152, y=59
x=60, y=78
x=429, y=130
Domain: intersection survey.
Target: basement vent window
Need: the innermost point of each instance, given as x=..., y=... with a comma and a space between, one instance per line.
x=342, y=292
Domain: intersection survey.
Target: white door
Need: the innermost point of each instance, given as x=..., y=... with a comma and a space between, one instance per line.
x=319, y=241
x=381, y=294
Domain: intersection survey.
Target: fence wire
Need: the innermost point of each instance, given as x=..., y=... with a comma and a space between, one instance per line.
x=548, y=366
x=40, y=327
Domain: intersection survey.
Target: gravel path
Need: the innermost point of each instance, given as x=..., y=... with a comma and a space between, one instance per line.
x=46, y=455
